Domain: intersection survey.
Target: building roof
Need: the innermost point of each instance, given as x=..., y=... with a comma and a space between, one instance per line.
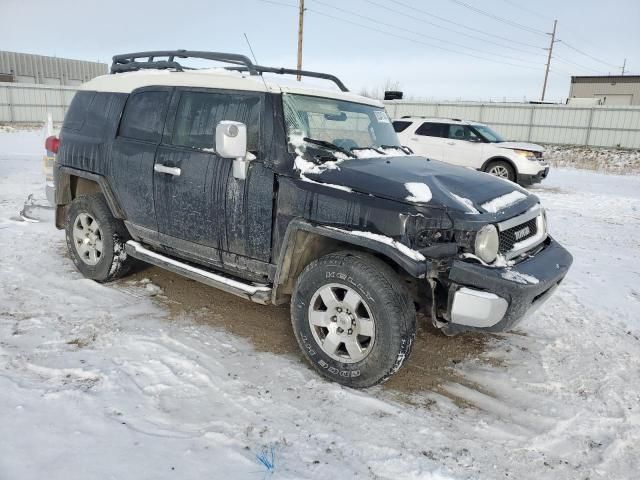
x=605, y=79
x=215, y=78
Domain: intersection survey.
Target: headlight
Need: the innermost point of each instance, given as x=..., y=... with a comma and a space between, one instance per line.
x=526, y=154
x=487, y=243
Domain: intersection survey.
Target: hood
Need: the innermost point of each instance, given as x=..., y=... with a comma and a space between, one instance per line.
x=532, y=147
x=415, y=179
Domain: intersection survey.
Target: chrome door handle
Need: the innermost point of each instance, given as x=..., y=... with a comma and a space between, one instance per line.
x=164, y=169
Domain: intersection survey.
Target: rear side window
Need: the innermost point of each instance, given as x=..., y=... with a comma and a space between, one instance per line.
x=77, y=113
x=199, y=113
x=428, y=129
x=401, y=126
x=143, y=117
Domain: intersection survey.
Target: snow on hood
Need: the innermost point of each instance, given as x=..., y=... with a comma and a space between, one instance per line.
x=503, y=201
x=420, y=193
x=415, y=179
x=532, y=147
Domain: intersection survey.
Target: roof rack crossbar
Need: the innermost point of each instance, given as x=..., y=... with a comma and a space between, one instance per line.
x=129, y=62
x=293, y=71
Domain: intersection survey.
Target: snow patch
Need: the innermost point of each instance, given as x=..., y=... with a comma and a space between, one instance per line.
x=519, y=277
x=467, y=203
x=503, y=201
x=420, y=192
x=409, y=252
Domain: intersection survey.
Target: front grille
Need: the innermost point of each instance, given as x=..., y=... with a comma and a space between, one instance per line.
x=513, y=235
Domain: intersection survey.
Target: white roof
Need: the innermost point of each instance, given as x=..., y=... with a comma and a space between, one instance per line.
x=214, y=78
x=452, y=121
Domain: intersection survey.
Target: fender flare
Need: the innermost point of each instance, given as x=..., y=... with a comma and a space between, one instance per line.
x=415, y=267
x=62, y=179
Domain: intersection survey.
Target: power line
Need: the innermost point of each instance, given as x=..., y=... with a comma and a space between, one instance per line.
x=500, y=19
x=333, y=17
x=587, y=55
x=528, y=10
x=397, y=27
x=282, y=4
x=457, y=32
x=424, y=12
x=571, y=62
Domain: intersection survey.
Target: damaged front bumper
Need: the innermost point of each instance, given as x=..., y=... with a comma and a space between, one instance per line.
x=496, y=299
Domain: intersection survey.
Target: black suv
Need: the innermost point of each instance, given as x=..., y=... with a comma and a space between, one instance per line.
x=281, y=193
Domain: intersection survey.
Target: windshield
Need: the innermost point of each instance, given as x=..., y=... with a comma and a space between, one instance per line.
x=346, y=125
x=488, y=134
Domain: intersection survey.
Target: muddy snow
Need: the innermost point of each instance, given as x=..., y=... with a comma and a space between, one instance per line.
x=157, y=377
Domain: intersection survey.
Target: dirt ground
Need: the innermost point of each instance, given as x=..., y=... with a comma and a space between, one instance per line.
x=268, y=328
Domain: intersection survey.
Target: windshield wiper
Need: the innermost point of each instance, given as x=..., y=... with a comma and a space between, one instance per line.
x=329, y=145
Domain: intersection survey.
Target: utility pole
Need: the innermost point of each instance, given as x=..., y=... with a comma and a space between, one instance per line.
x=624, y=64
x=300, y=30
x=546, y=72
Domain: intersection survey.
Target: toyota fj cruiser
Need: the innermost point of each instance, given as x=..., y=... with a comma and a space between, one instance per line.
x=295, y=194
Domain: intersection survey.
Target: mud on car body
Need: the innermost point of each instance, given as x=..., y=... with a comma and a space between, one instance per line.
x=299, y=195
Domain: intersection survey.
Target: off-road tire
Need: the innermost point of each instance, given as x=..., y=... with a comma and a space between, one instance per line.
x=386, y=296
x=503, y=166
x=114, y=261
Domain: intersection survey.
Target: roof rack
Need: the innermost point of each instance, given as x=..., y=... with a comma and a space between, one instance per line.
x=129, y=62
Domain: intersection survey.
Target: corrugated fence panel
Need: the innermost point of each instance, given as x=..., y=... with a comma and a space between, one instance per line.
x=601, y=126
x=27, y=103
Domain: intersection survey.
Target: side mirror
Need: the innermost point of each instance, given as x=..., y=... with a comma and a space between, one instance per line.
x=231, y=142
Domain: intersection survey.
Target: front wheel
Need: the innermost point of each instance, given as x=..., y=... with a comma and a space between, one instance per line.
x=353, y=318
x=501, y=169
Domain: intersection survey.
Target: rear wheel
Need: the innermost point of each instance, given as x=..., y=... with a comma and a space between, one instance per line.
x=95, y=239
x=501, y=169
x=353, y=318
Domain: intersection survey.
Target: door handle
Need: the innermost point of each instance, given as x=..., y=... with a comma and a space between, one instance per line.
x=451, y=143
x=414, y=139
x=164, y=169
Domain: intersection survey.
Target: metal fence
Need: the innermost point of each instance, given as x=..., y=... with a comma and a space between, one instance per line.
x=599, y=126
x=30, y=103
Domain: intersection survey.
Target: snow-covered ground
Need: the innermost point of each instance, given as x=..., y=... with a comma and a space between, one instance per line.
x=611, y=160
x=99, y=381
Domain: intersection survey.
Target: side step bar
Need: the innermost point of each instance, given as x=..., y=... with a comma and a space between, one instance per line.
x=258, y=294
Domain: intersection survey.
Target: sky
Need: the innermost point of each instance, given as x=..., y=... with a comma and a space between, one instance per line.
x=441, y=50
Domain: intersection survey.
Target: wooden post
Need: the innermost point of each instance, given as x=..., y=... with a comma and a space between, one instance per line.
x=300, y=31
x=546, y=72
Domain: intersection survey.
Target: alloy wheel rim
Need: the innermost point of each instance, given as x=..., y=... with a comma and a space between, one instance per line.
x=87, y=238
x=341, y=323
x=499, y=171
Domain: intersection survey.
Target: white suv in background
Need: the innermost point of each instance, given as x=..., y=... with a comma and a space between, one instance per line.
x=475, y=145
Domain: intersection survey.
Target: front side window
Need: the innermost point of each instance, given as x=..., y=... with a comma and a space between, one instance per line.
x=462, y=132
x=488, y=134
x=200, y=112
x=143, y=117
x=345, y=124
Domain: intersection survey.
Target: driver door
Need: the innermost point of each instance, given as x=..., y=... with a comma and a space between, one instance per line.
x=463, y=147
x=199, y=203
